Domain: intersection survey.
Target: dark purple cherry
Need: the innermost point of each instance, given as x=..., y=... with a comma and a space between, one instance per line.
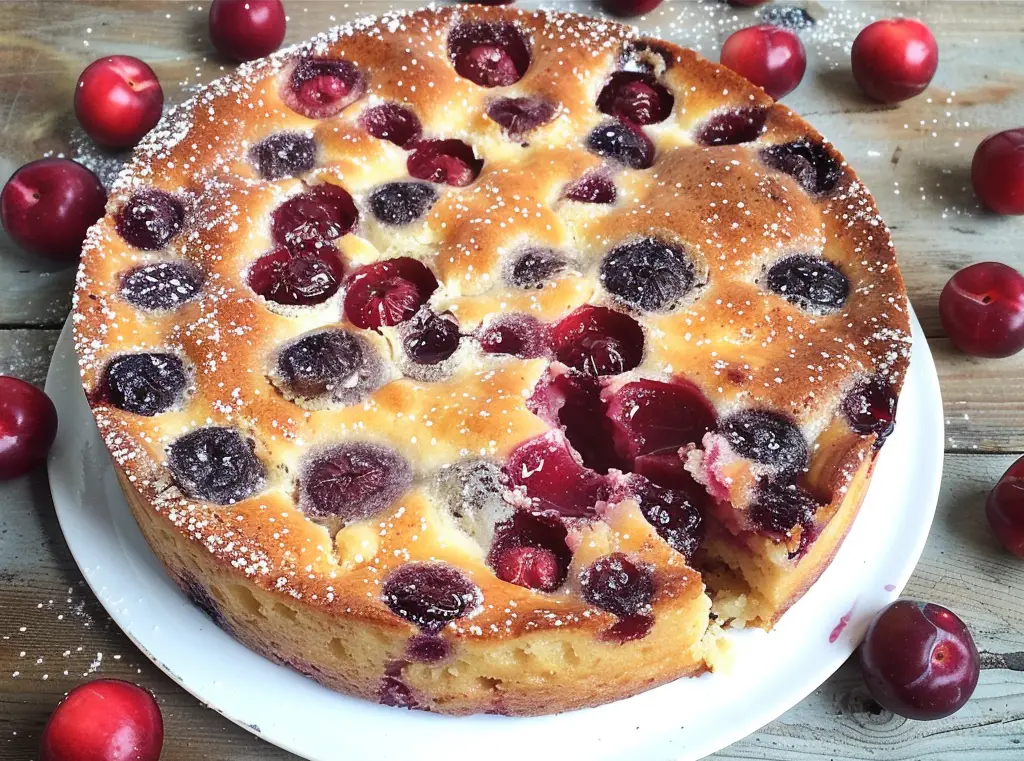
x=810, y=164
x=622, y=143
x=352, y=482
x=401, y=203
x=674, y=511
x=216, y=464
x=320, y=87
x=428, y=648
x=520, y=116
x=628, y=629
x=520, y=335
x=430, y=595
x=618, y=585
x=391, y=122
x=447, y=162
x=431, y=338
x=394, y=691
x=489, y=54
x=648, y=274
x=325, y=212
x=331, y=363
x=150, y=219
x=536, y=267
x=812, y=283
x=145, y=384
x=740, y=125
x=650, y=417
x=636, y=97
x=870, y=407
x=598, y=341
x=285, y=154
x=767, y=438
x=387, y=292
x=780, y=507
x=593, y=187
x=287, y=277
x=161, y=285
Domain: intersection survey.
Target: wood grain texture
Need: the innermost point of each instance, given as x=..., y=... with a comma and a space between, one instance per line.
x=915, y=157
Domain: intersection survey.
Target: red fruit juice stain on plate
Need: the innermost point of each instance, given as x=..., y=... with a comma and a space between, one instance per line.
x=844, y=620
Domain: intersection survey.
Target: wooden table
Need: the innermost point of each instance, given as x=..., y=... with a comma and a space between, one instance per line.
x=916, y=157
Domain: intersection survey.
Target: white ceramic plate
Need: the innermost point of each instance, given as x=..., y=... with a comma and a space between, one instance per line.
x=684, y=720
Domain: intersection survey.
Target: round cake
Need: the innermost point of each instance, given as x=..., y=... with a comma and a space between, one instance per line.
x=484, y=360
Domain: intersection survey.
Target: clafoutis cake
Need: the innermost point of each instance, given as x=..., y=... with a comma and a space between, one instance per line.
x=483, y=360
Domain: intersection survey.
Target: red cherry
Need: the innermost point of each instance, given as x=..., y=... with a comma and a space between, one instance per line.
x=531, y=567
x=1005, y=508
x=894, y=59
x=104, y=720
x=919, y=660
x=629, y=7
x=118, y=100
x=771, y=57
x=982, y=310
x=48, y=205
x=997, y=171
x=28, y=426
x=244, y=30
x=387, y=292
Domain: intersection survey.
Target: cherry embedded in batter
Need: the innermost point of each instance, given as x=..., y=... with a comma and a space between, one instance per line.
x=573, y=402
x=352, y=482
x=982, y=310
x=447, y=162
x=391, y=122
x=622, y=143
x=536, y=267
x=331, y=363
x=767, y=438
x=325, y=212
x=520, y=116
x=284, y=154
x=216, y=464
x=894, y=59
x=674, y=511
x=387, y=292
x=769, y=56
x=810, y=164
x=598, y=341
x=489, y=54
x=531, y=567
x=812, y=283
x=297, y=278
x=648, y=274
x=402, y=203
x=430, y=338
x=28, y=426
x=118, y=100
x=636, y=97
x=161, y=285
x=430, y=595
x=870, y=408
x=519, y=335
x=733, y=127
x=618, y=585
x=145, y=384
x=553, y=478
x=428, y=648
x=530, y=551
x=779, y=507
x=151, y=219
x=320, y=87
x=245, y=31
x=593, y=187
x=997, y=171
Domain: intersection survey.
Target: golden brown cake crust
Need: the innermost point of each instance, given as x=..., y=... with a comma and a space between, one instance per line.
x=290, y=588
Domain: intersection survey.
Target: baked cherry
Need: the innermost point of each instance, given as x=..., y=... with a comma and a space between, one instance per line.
x=771, y=57
x=618, y=585
x=733, y=127
x=997, y=171
x=104, y=720
x=430, y=338
x=649, y=416
x=982, y=310
x=598, y=341
x=118, y=100
x=808, y=163
x=447, y=162
x=1005, y=508
x=151, y=219
x=325, y=212
x=48, y=205
x=428, y=648
x=812, y=283
x=520, y=116
x=531, y=567
x=353, y=481
x=517, y=334
x=919, y=660
x=530, y=551
x=870, y=408
x=648, y=274
x=161, y=285
x=593, y=187
x=331, y=363
x=894, y=59
x=635, y=97
x=285, y=276
x=430, y=595
x=536, y=267
x=622, y=143
x=247, y=30
x=28, y=426
x=553, y=478
x=674, y=511
x=216, y=464
x=779, y=507
x=573, y=402
x=284, y=154
x=145, y=384
x=200, y=597
x=387, y=292
x=630, y=7
x=394, y=691
x=321, y=87
x=489, y=54
x=402, y=203
x=391, y=122
x=767, y=438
